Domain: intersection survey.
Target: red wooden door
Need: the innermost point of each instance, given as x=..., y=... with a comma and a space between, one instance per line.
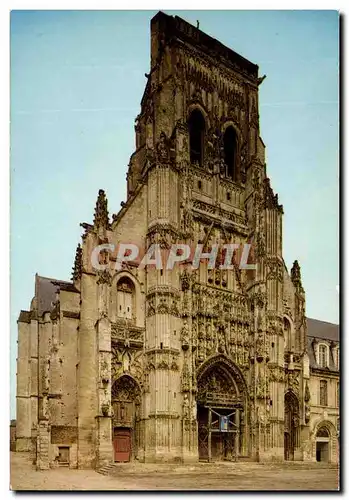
x=122, y=445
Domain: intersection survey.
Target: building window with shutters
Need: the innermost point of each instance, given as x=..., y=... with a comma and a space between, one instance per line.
x=125, y=299
x=323, y=393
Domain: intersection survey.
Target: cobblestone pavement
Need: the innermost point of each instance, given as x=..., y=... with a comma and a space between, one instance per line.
x=223, y=476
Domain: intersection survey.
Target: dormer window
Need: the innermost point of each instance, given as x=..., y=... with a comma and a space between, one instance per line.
x=323, y=355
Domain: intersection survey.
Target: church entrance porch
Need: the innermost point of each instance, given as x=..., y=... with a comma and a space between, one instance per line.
x=221, y=411
x=126, y=404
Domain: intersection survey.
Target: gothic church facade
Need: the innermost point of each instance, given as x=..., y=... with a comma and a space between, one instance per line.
x=186, y=364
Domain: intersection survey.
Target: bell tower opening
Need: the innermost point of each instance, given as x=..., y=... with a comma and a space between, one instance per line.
x=196, y=124
x=230, y=150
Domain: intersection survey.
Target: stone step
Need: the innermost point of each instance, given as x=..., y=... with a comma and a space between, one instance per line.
x=106, y=469
x=116, y=468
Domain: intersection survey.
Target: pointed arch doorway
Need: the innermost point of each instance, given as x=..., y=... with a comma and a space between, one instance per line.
x=126, y=404
x=221, y=411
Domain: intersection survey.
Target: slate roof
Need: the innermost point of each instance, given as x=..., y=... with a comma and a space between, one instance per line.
x=45, y=292
x=322, y=329
x=45, y=296
x=24, y=317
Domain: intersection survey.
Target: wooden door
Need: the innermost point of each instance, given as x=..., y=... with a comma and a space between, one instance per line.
x=286, y=445
x=122, y=445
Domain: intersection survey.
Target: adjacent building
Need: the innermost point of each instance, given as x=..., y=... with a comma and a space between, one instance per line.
x=324, y=390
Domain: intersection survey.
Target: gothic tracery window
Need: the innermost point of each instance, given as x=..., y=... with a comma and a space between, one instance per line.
x=196, y=124
x=125, y=299
x=230, y=152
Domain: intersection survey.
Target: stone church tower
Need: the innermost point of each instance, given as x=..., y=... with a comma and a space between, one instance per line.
x=178, y=364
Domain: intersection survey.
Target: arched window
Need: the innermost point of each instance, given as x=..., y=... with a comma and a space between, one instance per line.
x=322, y=432
x=125, y=298
x=196, y=124
x=323, y=355
x=230, y=151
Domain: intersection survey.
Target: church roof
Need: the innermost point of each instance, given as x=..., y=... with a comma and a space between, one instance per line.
x=322, y=329
x=45, y=292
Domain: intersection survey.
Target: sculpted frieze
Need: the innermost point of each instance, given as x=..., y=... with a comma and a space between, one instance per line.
x=292, y=380
x=126, y=361
x=275, y=269
x=165, y=302
x=276, y=374
x=104, y=277
x=120, y=330
x=185, y=377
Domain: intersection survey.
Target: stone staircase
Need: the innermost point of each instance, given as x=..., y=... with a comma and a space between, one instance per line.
x=121, y=468
x=106, y=470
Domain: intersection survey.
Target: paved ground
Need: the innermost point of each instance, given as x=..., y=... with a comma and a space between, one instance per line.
x=223, y=476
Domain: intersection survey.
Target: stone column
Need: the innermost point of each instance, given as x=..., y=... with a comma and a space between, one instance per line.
x=86, y=374
x=190, y=450
x=104, y=428
x=34, y=381
x=162, y=424
x=43, y=439
x=23, y=423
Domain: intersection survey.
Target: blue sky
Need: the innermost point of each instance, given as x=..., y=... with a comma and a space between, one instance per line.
x=77, y=78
